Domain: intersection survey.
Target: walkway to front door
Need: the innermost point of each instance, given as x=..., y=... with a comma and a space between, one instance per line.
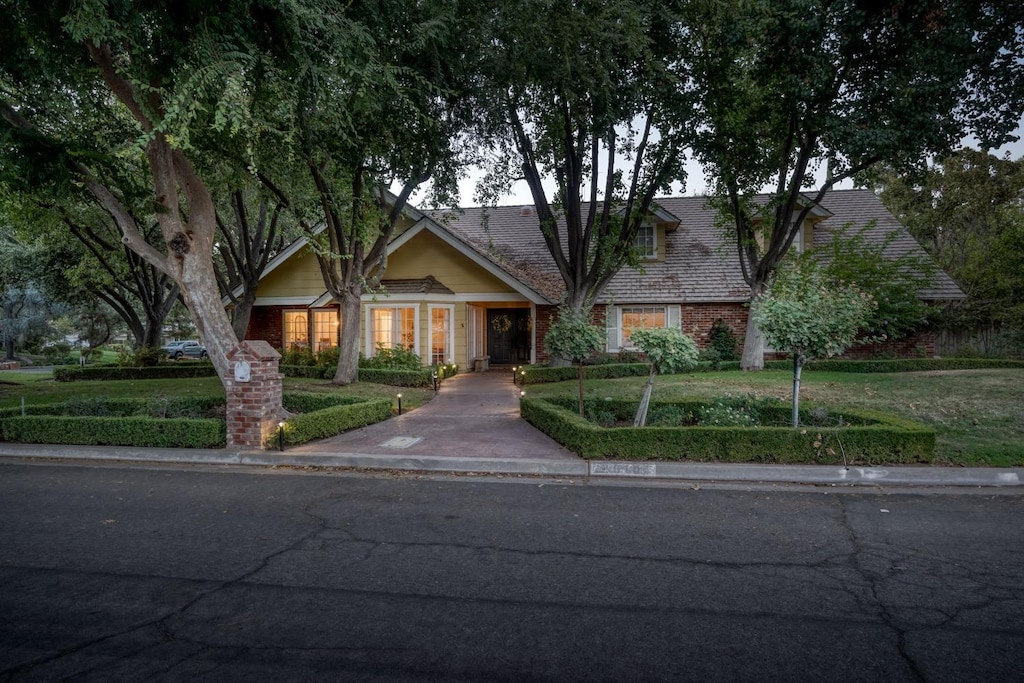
x=474, y=414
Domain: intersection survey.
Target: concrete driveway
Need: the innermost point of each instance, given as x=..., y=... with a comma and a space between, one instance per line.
x=474, y=414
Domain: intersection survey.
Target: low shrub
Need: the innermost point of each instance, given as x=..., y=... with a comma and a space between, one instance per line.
x=115, y=431
x=308, y=401
x=96, y=373
x=157, y=407
x=419, y=377
x=540, y=375
x=146, y=356
x=391, y=358
x=331, y=421
x=866, y=437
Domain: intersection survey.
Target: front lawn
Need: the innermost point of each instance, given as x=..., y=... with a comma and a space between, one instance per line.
x=979, y=414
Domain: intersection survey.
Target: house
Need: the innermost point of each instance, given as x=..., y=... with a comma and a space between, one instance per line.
x=479, y=282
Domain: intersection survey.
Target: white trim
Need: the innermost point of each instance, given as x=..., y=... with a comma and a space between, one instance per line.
x=284, y=301
x=429, y=355
x=492, y=297
x=369, y=348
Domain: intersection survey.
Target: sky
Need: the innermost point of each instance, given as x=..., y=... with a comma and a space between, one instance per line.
x=695, y=184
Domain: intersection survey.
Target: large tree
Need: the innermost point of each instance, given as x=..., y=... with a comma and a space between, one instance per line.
x=789, y=88
x=73, y=73
x=968, y=212
x=585, y=97
x=376, y=96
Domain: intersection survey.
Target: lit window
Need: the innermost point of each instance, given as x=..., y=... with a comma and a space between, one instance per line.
x=296, y=329
x=440, y=334
x=325, y=329
x=392, y=327
x=640, y=318
x=646, y=242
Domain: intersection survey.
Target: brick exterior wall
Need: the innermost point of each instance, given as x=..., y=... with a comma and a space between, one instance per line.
x=267, y=323
x=697, y=320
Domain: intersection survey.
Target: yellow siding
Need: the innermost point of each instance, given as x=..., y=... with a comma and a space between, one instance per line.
x=298, y=276
x=426, y=254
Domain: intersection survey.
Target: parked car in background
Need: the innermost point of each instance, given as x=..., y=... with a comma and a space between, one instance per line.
x=184, y=349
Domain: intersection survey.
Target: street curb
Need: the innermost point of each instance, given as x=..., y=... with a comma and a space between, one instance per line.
x=598, y=469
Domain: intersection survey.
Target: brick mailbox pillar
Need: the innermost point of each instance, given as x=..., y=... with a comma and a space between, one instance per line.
x=254, y=394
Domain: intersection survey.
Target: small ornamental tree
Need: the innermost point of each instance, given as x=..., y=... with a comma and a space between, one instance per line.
x=573, y=337
x=668, y=350
x=811, y=316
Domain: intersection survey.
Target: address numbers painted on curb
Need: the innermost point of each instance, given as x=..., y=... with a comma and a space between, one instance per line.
x=624, y=469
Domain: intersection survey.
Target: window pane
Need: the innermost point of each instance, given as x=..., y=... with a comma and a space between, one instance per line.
x=382, y=328
x=392, y=327
x=440, y=326
x=407, y=333
x=296, y=331
x=640, y=319
x=325, y=329
x=644, y=243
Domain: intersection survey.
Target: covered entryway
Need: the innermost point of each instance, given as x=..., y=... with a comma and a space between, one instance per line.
x=509, y=333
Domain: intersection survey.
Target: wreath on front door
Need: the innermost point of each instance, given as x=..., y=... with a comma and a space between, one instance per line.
x=501, y=324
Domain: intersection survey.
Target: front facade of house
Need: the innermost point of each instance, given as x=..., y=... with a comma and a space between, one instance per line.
x=480, y=283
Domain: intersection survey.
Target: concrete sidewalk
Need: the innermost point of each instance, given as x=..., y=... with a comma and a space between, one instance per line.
x=473, y=426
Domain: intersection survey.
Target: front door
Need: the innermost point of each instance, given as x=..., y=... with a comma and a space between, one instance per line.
x=508, y=335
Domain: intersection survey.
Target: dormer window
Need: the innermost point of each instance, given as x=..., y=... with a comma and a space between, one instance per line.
x=646, y=242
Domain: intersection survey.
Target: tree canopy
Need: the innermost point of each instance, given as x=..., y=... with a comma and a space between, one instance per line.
x=799, y=95
x=588, y=96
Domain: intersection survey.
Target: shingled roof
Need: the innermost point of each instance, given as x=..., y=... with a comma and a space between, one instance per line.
x=701, y=263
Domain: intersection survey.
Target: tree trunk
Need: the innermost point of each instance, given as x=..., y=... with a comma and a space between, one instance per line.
x=753, y=341
x=798, y=363
x=348, y=356
x=641, y=412
x=575, y=301
x=9, y=348
x=580, y=378
x=208, y=314
x=242, y=313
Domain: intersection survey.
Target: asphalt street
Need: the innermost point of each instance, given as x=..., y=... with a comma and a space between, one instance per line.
x=175, y=573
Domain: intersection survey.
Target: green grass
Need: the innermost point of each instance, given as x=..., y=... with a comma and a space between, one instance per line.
x=978, y=414
x=40, y=388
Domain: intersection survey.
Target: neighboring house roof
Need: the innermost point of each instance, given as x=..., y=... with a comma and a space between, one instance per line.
x=701, y=263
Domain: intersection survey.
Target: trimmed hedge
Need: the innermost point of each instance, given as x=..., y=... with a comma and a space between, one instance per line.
x=331, y=421
x=542, y=375
x=157, y=407
x=114, y=372
x=420, y=377
x=308, y=402
x=115, y=431
x=870, y=438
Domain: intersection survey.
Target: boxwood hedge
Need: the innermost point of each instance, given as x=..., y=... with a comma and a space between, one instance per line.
x=331, y=421
x=115, y=431
x=178, y=422
x=867, y=438
x=540, y=375
x=115, y=372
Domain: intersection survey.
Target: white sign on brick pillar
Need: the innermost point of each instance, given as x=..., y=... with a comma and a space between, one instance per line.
x=253, y=393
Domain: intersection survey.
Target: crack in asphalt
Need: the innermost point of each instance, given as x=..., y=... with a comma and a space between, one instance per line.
x=872, y=579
